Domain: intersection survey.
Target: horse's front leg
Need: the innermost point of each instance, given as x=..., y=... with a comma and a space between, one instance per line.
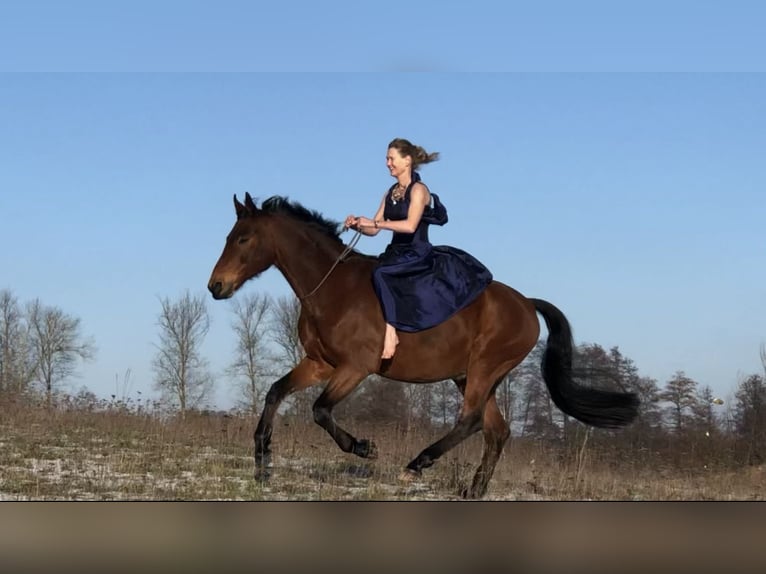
x=344, y=380
x=307, y=373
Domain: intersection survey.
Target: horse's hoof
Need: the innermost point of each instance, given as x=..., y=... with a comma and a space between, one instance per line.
x=472, y=492
x=262, y=474
x=467, y=494
x=263, y=467
x=366, y=449
x=408, y=475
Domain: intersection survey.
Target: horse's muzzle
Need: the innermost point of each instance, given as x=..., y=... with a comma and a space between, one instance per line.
x=218, y=291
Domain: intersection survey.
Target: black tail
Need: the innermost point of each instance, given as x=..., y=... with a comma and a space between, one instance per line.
x=595, y=407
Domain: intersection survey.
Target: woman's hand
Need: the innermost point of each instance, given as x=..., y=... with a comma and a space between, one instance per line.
x=352, y=221
x=358, y=222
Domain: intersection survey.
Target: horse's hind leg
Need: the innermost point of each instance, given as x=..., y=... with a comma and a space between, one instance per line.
x=469, y=421
x=496, y=433
x=342, y=383
x=308, y=372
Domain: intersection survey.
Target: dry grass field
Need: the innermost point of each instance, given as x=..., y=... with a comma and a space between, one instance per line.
x=121, y=454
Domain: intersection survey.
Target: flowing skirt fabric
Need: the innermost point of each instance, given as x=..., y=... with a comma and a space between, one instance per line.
x=421, y=285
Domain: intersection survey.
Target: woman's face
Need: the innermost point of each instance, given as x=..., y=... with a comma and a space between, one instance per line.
x=397, y=165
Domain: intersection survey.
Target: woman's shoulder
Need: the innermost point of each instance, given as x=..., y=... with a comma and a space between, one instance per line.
x=419, y=187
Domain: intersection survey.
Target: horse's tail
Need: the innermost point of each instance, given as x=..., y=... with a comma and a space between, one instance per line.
x=595, y=407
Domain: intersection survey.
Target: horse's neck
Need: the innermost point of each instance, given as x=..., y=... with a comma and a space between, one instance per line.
x=304, y=257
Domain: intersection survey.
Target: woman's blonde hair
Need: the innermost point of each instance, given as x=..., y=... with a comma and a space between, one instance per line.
x=418, y=155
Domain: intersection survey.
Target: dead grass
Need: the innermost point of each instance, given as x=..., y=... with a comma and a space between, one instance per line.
x=117, y=454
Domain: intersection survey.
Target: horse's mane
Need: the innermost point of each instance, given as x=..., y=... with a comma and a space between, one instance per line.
x=328, y=227
x=283, y=206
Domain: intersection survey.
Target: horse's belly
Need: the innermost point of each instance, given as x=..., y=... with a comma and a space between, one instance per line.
x=431, y=355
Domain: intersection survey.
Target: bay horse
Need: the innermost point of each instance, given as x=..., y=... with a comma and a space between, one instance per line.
x=341, y=327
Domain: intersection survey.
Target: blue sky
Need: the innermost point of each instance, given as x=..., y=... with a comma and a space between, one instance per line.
x=353, y=35
x=633, y=201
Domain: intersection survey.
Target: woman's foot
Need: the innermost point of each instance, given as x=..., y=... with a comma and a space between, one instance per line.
x=389, y=342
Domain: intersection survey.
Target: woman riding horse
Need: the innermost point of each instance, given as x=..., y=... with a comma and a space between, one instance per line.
x=341, y=326
x=418, y=285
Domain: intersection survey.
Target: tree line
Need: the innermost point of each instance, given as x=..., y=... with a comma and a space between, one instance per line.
x=40, y=347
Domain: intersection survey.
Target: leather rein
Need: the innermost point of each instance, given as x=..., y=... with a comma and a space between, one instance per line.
x=348, y=249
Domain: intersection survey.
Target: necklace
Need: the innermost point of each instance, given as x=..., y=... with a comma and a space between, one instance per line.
x=398, y=193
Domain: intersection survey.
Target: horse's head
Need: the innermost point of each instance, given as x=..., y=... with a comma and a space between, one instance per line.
x=248, y=251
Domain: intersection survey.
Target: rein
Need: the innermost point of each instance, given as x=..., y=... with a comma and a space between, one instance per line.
x=341, y=257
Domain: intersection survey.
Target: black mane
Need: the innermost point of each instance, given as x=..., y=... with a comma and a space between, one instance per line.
x=330, y=228
x=282, y=205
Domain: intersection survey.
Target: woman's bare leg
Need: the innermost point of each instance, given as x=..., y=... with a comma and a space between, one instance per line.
x=390, y=342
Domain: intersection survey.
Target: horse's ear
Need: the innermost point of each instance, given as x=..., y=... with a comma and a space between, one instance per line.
x=249, y=203
x=239, y=208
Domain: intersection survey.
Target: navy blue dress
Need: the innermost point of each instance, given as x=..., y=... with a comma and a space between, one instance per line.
x=421, y=285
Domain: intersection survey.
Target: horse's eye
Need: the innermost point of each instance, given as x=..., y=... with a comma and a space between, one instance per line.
x=242, y=240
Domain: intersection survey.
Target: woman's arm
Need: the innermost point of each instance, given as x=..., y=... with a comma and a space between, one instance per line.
x=365, y=225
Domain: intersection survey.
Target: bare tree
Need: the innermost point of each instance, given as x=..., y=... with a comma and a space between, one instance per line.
x=420, y=401
x=56, y=344
x=378, y=400
x=680, y=391
x=446, y=402
x=182, y=375
x=703, y=418
x=599, y=368
x=536, y=407
x=506, y=397
x=750, y=417
x=16, y=361
x=251, y=365
x=287, y=311
x=648, y=425
x=538, y=412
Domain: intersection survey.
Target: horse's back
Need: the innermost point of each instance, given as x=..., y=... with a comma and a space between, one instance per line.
x=499, y=321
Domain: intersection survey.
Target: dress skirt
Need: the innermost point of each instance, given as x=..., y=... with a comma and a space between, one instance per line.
x=421, y=285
